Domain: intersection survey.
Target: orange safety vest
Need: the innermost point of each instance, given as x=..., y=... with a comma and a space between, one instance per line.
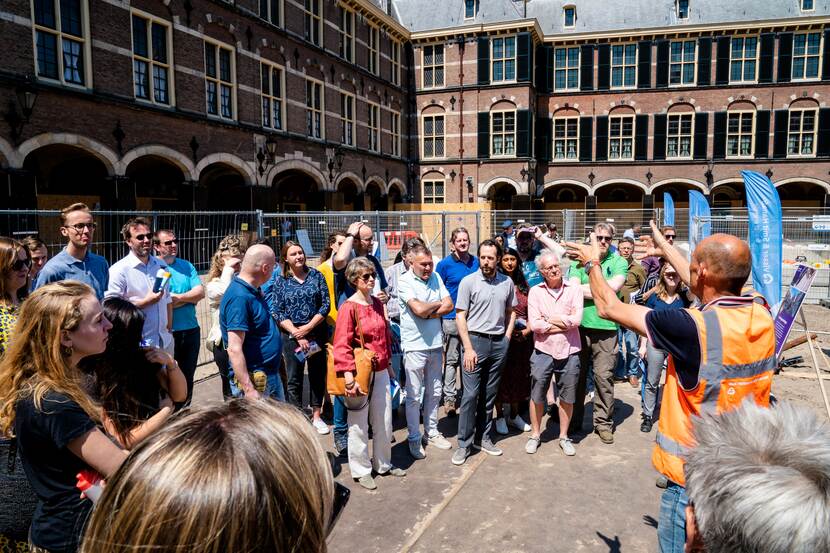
x=737, y=360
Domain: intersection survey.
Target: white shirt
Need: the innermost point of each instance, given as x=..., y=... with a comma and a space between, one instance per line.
x=132, y=280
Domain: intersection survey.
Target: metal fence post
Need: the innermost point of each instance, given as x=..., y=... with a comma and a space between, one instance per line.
x=444, y=238
x=260, y=228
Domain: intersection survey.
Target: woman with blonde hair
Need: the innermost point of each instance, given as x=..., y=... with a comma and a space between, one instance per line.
x=240, y=476
x=44, y=406
x=15, y=263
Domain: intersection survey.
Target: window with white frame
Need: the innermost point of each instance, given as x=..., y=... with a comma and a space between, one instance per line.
x=347, y=118
x=313, y=21
x=801, y=137
x=503, y=59
x=151, y=59
x=682, y=62
x=682, y=9
x=396, y=134
x=623, y=65
x=566, y=68
x=743, y=59
x=433, y=66
x=679, y=135
x=433, y=133
x=395, y=59
x=315, y=125
x=740, y=134
x=807, y=5
x=374, y=50
x=569, y=16
x=347, y=34
x=566, y=138
x=503, y=133
x=62, y=40
x=273, y=92
x=374, y=127
x=470, y=9
x=806, y=55
x=271, y=11
x=433, y=192
x=220, y=80
x=621, y=137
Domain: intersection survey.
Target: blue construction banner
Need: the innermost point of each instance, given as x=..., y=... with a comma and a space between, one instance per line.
x=668, y=210
x=700, y=219
x=765, y=236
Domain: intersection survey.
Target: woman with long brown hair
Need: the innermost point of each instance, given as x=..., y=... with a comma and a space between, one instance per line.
x=15, y=263
x=44, y=406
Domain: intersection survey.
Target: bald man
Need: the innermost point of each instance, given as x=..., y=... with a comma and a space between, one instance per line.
x=719, y=354
x=249, y=332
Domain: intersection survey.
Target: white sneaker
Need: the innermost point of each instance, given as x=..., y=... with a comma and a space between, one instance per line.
x=320, y=426
x=439, y=441
x=518, y=423
x=501, y=426
x=567, y=447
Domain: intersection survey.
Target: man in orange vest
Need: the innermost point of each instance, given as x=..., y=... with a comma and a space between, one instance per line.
x=719, y=354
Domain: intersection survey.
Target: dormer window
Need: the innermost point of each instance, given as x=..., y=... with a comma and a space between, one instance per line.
x=470, y=9
x=682, y=9
x=569, y=13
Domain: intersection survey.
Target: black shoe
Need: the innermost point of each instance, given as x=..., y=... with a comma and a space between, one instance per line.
x=647, y=424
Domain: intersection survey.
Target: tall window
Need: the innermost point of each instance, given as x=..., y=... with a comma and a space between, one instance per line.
x=313, y=17
x=621, y=137
x=679, y=135
x=433, y=192
x=566, y=68
x=503, y=133
x=347, y=35
x=374, y=127
x=470, y=8
x=61, y=40
x=273, y=92
x=433, y=136
x=682, y=62
x=806, y=55
x=682, y=9
x=802, y=133
x=503, y=59
x=740, y=134
x=395, y=58
x=347, y=118
x=569, y=14
x=396, y=134
x=744, y=59
x=433, y=66
x=566, y=138
x=623, y=65
x=271, y=11
x=151, y=59
x=374, y=50
x=314, y=109
x=220, y=80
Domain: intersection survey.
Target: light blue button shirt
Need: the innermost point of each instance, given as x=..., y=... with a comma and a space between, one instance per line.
x=419, y=334
x=92, y=269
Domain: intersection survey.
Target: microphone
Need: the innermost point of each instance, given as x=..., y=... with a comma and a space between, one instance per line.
x=162, y=277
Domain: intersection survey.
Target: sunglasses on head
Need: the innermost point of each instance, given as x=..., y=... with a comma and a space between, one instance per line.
x=368, y=276
x=19, y=264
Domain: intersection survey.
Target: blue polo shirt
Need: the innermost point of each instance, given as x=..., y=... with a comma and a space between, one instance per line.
x=453, y=271
x=92, y=269
x=183, y=278
x=244, y=309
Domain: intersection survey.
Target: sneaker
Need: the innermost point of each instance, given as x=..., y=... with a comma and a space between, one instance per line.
x=634, y=381
x=439, y=441
x=647, y=424
x=605, y=435
x=320, y=426
x=341, y=444
x=519, y=424
x=460, y=456
x=416, y=449
x=501, y=426
x=449, y=407
x=589, y=396
x=532, y=445
x=367, y=482
x=567, y=447
x=488, y=447
x=394, y=471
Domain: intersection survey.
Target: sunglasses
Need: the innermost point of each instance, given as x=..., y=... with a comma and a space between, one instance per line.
x=670, y=236
x=167, y=242
x=368, y=276
x=81, y=226
x=143, y=237
x=341, y=497
x=19, y=264
x=604, y=238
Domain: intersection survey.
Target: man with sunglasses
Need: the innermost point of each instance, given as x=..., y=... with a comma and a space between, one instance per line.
x=132, y=278
x=76, y=261
x=599, y=339
x=186, y=290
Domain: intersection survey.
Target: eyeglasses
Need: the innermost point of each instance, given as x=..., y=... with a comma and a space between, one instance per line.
x=368, y=276
x=19, y=264
x=341, y=497
x=81, y=226
x=670, y=236
x=166, y=242
x=604, y=238
x=143, y=237
x=552, y=269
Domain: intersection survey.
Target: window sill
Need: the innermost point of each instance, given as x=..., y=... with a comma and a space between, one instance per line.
x=801, y=156
x=742, y=157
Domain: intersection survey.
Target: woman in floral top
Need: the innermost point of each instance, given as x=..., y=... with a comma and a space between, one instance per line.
x=15, y=263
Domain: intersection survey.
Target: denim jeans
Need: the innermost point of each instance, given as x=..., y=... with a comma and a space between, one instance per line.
x=480, y=388
x=671, y=528
x=654, y=370
x=628, y=361
x=341, y=420
x=273, y=382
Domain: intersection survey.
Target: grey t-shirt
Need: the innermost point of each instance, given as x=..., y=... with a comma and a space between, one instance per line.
x=486, y=301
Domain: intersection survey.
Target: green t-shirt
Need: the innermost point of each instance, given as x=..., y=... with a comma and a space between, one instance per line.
x=613, y=265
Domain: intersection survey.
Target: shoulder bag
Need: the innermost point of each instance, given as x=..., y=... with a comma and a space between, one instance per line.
x=365, y=361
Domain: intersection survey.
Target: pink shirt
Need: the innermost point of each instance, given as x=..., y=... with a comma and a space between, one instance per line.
x=565, y=303
x=375, y=334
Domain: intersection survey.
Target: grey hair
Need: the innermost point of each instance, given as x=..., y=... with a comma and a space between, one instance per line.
x=759, y=480
x=564, y=262
x=419, y=249
x=358, y=266
x=605, y=226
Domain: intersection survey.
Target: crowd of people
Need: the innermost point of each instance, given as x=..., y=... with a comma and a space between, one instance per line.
x=97, y=365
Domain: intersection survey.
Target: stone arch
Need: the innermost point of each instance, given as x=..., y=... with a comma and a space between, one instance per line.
x=104, y=154
x=730, y=189
x=230, y=160
x=503, y=105
x=680, y=107
x=433, y=109
x=804, y=103
x=741, y=104
x=622, y=110
x=610, y=182
x=377, y=180
x=179, y=160
x=8, y=156
x=348, y=175
x=301, y=166
x=810, y=180
x=396, y=183
x=484, y=189
x=690, y=182
x=553, y=183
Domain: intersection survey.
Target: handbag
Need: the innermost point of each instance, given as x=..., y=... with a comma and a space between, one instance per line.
x=365, y=362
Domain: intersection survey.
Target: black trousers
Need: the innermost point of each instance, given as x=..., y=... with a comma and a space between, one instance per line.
x=186, y=353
